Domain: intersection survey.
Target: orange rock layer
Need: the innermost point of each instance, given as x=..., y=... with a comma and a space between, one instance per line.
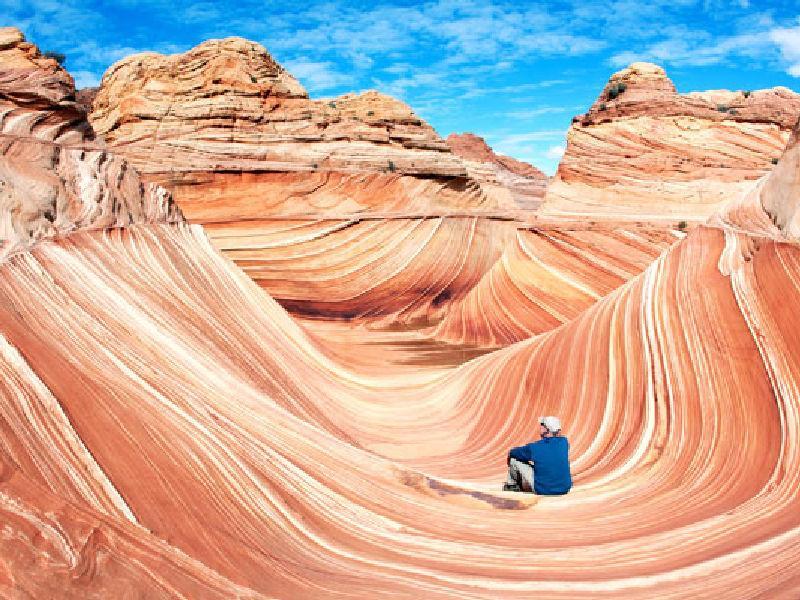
x=204, y=122
x=216, y=434
x=643, y=149
x=500, y=175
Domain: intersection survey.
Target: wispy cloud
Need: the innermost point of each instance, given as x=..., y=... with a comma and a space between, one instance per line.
x=531, y=113
x=318, y=76
x=555, y=152
x=788, y=41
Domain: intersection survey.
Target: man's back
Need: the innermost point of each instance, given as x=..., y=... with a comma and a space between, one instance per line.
x=550, y=458
x=551, y=474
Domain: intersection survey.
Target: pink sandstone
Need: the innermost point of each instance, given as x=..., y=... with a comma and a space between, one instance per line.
x=651, y=152
x=499, y=174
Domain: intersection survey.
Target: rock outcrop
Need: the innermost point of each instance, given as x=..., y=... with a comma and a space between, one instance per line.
x=517, y=184
x=224, y=121
x=53, y=178
x=643, y=149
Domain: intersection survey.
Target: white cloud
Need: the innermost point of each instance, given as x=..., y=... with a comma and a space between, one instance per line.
x=316, y=75
x=84, y=79
x=531, y=113
x=555, y=152
x=788, y=41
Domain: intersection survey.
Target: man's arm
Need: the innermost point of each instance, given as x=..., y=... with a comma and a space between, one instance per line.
x=521, y=453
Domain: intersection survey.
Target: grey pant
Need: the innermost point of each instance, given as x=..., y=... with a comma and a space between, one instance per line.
x=520, y=473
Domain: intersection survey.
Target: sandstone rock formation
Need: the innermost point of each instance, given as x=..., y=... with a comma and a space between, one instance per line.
x=53, y=180
x=168, y=430
x=547, y=276
x=226, y=433
x=643, y=149
x=225, y=124
x=517, y=183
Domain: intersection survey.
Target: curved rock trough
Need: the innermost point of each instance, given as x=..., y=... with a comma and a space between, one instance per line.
x=168, y=429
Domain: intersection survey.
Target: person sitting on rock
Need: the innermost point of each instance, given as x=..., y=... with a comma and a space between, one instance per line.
x=541, y=467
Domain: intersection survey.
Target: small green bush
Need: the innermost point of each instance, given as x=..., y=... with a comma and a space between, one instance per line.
x=774, y=161
x=746, y=93
x=616, y=89
x=602, y=106
x=59, y=57
x=682, y=225
x=370, y=113
x=332, y=104
x=723, y=108
x=391, y=168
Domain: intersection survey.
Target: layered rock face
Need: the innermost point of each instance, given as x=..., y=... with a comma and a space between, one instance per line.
x=517, y=184
x=224, y=122
x=168, y=430
x=645, y=150
x=53, y=178
x=143, y=462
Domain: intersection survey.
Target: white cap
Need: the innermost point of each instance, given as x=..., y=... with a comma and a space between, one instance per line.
x=553, y=424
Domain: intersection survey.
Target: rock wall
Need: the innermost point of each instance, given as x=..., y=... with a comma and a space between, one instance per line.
x=225, y=113
x=517, y=184
x=54, y=179
x=643, y=149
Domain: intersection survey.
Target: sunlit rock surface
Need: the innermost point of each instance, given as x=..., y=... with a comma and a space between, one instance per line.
x=167, y=429
x=224, y=123
x=54, y=178
x=643, y=149
x=547, y=276
x=516, y=183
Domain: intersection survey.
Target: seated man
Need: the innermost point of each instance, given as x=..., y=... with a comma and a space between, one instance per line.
x=543, y=466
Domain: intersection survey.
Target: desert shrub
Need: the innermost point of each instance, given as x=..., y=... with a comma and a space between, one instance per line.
x=746, y=93
x=315, y=166
x=682, y=225
x=723, y=108
x=59, y=57
x=602, y=106
x=616, y=89
x=774, y=161
x=391, y=168
x=370, y=113
x=332, y=104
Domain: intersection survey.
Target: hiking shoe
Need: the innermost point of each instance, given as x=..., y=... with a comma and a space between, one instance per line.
x=511, y=487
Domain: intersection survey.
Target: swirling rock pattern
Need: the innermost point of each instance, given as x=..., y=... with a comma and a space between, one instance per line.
x=650, y=151
x=548, y=276
x=226, y=434
x=167, y=429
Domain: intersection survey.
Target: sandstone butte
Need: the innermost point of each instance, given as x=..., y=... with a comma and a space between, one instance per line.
x=643, y=149
x=231, y=133
x=523, y=182
x=168, y=430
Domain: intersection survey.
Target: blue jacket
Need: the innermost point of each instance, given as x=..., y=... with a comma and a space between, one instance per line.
x=550, y=458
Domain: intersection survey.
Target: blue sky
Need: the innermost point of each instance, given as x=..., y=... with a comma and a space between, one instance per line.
x=513, y=72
